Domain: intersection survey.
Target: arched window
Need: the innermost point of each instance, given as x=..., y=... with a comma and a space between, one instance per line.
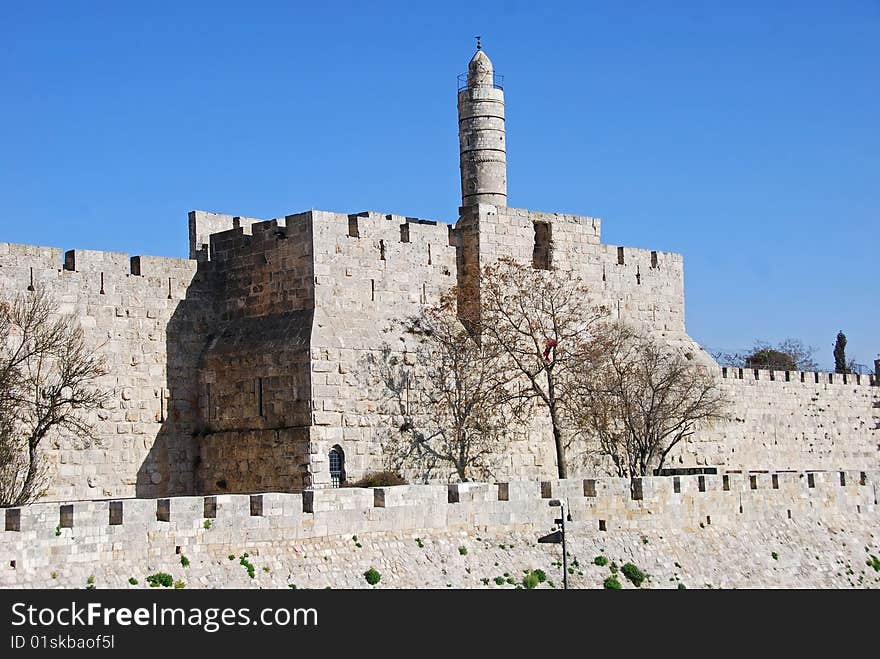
x=337, y=466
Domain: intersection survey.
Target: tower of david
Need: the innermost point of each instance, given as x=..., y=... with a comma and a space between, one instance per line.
x=238, y=369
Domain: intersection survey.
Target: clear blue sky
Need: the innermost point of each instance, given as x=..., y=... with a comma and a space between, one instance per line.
x=745, y=138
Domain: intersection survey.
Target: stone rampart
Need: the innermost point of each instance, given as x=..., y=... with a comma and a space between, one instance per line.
x=74, y=540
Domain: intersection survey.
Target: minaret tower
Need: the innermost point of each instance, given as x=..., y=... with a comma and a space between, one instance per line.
x=481, y=134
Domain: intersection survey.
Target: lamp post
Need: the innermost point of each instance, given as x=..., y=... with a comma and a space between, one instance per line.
x=558, y=537
x=561, y=521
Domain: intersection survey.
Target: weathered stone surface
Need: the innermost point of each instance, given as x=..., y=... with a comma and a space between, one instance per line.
x=783, y=533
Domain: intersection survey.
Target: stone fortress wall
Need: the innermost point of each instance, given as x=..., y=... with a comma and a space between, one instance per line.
x=331, y=536
x=145, y=315
x=238, y=370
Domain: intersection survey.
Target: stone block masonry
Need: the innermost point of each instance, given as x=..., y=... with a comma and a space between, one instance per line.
x=792, y=420
x=820, y=526
x=145, y=316
x=242, y=369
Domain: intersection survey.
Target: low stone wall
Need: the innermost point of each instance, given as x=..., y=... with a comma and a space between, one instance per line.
x=46, y=545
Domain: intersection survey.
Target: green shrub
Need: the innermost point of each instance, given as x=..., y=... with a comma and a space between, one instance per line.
x=510, y=580
x=601, y=561
x=611, y=583
x=207, y=524
x=378, y=479
x=634, y=574
x=58, y=530
x=133, y=581
x=542, y=576
x=160, y=579
x=372, y=576
x=184, y=561
x=613, y=568
x=90, y=582
x=179, y=584
x=530, y=580
x=420, y=543
x=774, y=556
x=462, y=550
x=499, y=581
x=247, y=565
x=292, y=586
x=874, y=562
x=681, y=586
x=231, y=557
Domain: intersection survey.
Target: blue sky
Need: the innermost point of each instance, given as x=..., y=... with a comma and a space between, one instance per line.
x=744, y=137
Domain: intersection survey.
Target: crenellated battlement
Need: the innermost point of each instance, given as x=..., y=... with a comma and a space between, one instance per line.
x=805, y=377
x=26, y=265
x=637, y=259
x=600, y=504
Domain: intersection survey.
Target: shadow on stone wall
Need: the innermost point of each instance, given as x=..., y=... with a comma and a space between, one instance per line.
x=169, y=467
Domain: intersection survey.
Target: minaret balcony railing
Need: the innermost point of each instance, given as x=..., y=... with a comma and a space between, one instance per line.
x=497, y=81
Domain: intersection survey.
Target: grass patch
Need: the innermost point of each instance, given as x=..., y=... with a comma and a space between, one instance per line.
x=160, y=579
x=634, y=574
x=243, y=561
x=531, y=580
x=611, y=583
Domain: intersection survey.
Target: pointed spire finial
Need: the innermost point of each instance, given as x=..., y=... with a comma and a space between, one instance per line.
x=479, y=46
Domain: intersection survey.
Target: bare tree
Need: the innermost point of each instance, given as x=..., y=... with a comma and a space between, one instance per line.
x=541, y=322
x=445, y=396
x=644, y=399
x=47, y=385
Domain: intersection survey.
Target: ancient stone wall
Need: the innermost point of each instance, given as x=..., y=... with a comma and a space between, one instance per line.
x=144, y=315
x=254, y=378
x=791, y=420
x=372, y=271
x=784, y=529
x=241, y=370
x=637, y=285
